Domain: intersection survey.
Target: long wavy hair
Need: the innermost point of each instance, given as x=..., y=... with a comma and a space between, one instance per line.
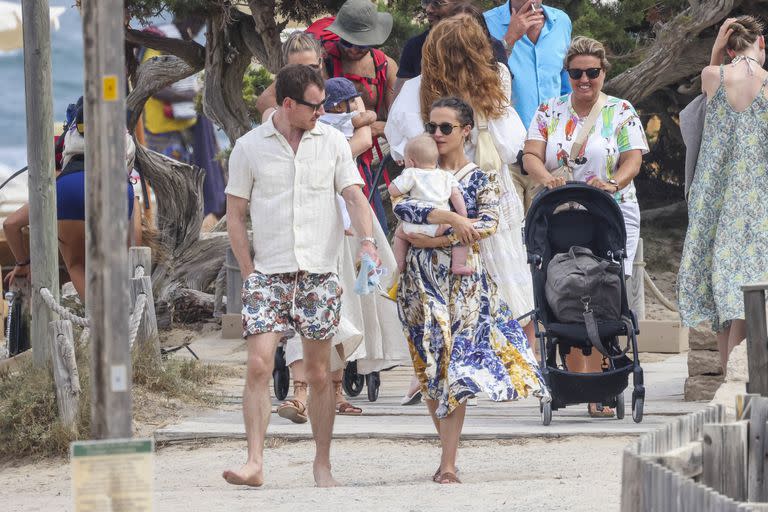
x=457, y=60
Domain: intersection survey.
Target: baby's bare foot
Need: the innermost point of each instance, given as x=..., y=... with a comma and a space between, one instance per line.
x=250, y=474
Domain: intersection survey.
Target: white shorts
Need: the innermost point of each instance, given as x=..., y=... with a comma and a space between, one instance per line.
x=631, y=213
x=421, y=229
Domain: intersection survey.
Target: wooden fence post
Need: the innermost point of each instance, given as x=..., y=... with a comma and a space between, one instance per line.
x=65, y=373
x=757, y=337
x=139, y=257
x=106, y=219
x=636, y=283
x=43, y=240
x=757, y=447
x=725, y=458
x=148, y=337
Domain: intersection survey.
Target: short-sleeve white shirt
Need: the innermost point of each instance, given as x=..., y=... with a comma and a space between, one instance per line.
x=296, y=221
x=432, y=186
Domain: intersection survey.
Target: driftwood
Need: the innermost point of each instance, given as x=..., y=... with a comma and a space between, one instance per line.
x=192, y=306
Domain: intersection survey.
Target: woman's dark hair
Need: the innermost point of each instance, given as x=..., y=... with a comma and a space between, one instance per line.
x=293, y=80
x=464, y=112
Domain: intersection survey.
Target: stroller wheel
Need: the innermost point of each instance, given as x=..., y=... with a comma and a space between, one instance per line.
x=372, y=381
x=546, y=413
x=637, y=409
x=352, y=382
x=281, y=375
x=620, y=406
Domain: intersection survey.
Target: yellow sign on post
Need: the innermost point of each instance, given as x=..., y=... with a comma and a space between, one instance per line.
x=115, y=475
x=109, y=88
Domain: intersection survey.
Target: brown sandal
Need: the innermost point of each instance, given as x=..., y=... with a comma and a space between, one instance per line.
x=448, y=478
x=343, y=407
x=294, y=410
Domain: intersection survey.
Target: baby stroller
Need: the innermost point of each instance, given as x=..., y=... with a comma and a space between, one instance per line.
x=580, y=215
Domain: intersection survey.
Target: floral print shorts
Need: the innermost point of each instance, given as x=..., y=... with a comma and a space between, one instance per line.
x=307, y=303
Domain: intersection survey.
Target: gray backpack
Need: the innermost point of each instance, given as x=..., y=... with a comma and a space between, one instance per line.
x=582, y=288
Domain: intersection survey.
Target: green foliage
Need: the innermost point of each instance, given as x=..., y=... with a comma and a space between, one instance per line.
x=255, y=82
x=405, y=25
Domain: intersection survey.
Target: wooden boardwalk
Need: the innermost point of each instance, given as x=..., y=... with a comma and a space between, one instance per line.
x=387, y=419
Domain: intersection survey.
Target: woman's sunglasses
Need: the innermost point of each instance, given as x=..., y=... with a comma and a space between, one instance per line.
x=592, y=73
x=347, y=44
x=445, y=128
x=437, y=3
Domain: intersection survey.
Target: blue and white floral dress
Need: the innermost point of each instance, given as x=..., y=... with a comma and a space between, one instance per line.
x=462, y=336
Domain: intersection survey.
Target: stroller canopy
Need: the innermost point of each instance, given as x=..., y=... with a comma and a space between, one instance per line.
x=601, y=222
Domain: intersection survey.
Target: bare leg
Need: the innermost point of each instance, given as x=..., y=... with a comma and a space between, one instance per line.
x=401, y=246
x=432, y=408
x=736, y=336
x=321, y=407
x=297, y=375
x=256, y=407
x=530, y=333
x=722, y=347
x=450, y=434
x=72, y=247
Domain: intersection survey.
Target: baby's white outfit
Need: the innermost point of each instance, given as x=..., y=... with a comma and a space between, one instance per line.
x=340, y=121
x=430, y=186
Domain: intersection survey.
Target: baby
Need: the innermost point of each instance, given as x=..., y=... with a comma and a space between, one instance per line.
x=424, y=182
x=341, y=108
x=346, y=113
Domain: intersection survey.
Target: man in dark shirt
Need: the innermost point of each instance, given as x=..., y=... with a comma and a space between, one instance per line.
x=437, y=10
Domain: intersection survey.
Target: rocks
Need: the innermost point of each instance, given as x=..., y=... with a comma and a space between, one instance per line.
x=704, y=362
x=701, y=339
x=702, y=387
x=736, y=380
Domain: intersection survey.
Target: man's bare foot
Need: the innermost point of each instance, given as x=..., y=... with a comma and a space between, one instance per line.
x=250, y=474
x=323, y=476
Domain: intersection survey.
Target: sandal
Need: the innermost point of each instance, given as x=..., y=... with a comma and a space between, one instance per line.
x=436, y=476
x=597, y=410
x=294, y=409
x=343, y=407
x=448, y=478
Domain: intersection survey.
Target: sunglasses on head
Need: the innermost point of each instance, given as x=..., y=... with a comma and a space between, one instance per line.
x=313, y=106
x=347, y=44
x=445, y=128
x=592, y=73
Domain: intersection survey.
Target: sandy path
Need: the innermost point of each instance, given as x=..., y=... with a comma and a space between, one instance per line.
x=525, y=475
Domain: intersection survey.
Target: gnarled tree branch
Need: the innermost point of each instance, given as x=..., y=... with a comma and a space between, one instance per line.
x=191, y=52
x=153, y=75
x=676, y=53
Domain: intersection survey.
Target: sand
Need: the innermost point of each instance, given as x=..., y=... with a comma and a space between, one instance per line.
x=573, y=474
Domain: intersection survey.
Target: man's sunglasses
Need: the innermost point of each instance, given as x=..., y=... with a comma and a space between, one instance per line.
x=347, y=44
x=445, y=128
x=576, y=73
x=313, y=106
x=435, y=3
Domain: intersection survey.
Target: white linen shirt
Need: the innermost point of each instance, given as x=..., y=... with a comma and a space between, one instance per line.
x=295, y=218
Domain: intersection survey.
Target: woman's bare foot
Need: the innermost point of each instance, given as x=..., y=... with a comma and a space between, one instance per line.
x=323, y=476
x=250, y=474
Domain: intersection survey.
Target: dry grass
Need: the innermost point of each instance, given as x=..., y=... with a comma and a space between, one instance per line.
x=29, y=424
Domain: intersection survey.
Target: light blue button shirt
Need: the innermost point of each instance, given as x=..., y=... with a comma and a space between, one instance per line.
x=538, y=68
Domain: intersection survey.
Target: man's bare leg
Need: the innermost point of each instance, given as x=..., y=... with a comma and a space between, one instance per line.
x=256, y=408
x=321, y=407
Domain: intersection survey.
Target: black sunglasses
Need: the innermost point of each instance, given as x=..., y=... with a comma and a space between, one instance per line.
x=592, y=73
x=445, y=128
x=347, y=44
x=313, y=106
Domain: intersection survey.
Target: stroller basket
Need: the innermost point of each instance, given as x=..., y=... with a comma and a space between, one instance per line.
x=574, y=388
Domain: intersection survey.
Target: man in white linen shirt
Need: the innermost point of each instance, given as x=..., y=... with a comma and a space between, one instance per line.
x=290, y=169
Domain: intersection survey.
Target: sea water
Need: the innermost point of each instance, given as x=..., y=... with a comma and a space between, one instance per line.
x=67, y=63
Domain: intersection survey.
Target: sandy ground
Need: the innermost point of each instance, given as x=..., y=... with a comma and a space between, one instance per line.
x=525, y=475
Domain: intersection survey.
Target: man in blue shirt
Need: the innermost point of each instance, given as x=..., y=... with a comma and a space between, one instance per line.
x=536, y=38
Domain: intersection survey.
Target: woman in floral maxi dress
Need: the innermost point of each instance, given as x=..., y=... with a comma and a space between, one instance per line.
x=462, y=336
x=726, y=245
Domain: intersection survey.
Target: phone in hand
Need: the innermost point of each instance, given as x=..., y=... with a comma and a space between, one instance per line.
x=535, y=6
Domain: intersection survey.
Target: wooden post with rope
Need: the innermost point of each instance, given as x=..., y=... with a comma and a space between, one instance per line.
x=43, y=243
x=107, y=218
x=65, y=374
